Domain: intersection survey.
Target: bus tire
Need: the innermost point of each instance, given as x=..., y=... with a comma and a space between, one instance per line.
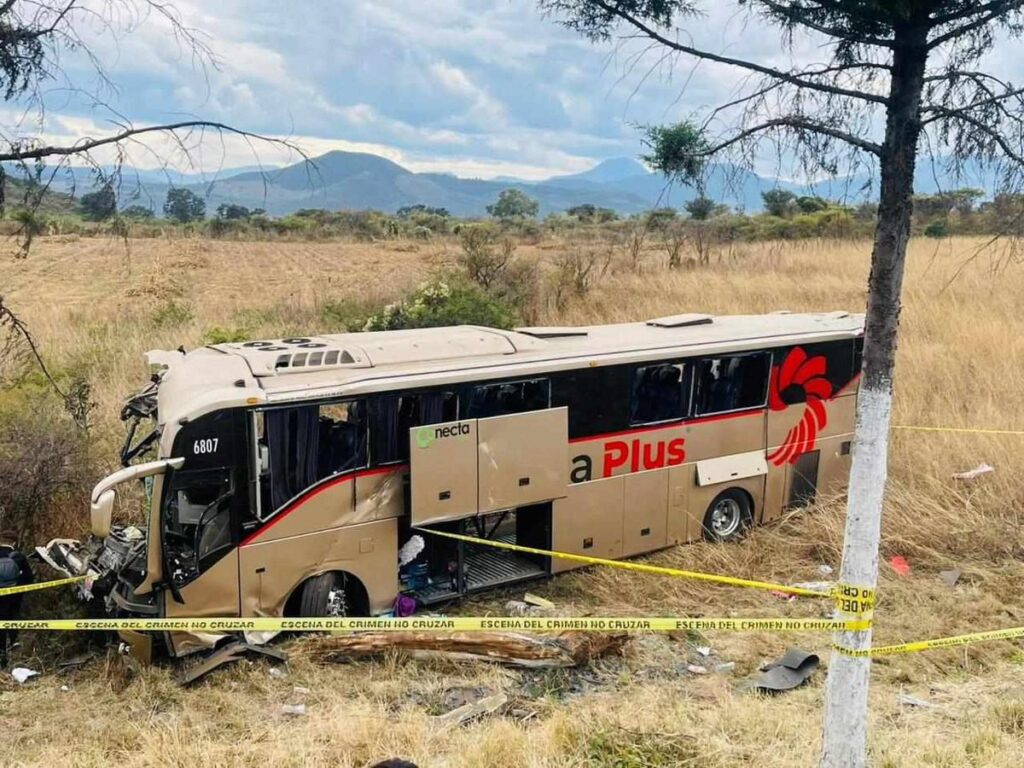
x=326, y=595
x=728, y=516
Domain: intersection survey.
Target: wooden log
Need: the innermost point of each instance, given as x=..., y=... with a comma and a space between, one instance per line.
x=565, y=649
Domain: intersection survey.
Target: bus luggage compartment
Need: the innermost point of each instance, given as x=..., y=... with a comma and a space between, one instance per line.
x=472, y=467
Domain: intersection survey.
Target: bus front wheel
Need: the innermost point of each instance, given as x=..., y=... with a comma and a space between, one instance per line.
x=728, y=516
x=333, y=595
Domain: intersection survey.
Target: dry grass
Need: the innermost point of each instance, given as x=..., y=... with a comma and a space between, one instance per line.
x=959, y=365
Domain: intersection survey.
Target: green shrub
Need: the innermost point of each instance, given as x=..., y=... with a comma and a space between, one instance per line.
x=445, y=300
x=346, y=315
x=172, y=314
x=937, y=228
x=218, y=334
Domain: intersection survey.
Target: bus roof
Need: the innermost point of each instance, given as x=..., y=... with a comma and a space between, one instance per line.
x=352, y=360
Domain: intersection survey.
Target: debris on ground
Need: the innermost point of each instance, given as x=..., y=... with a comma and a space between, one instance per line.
x=77, y=661
x=472, y=710
x=532, y=599
x=726, y=668
x=696, y=669
x=950, y=578
x=405, y=606
x=231, y=652
x=907, y=700
x=276, y=672
x=298, y=690
x=971, y=474
x=564, y=649
x=293, y=710
x=815, y=586
x=21, y=674
x=789, y=597
x=825, y=570
x=703, y=650
x=791, y=671
x=899, y=564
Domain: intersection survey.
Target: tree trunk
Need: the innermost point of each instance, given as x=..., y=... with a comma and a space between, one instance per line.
x=846, y=696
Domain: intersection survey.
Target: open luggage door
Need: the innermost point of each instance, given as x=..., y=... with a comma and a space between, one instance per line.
x=465, y=468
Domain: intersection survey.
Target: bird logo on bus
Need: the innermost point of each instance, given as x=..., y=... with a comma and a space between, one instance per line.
x=799, y=377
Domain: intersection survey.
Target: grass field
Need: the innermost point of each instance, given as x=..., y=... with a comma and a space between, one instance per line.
x=95, y=306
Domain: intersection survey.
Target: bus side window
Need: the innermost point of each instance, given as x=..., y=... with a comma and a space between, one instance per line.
x=302, y=445
x=342, y=438
x=507, y=397
x=596, y=399
x=731, y=383
x=658, y=394
x=392, y=416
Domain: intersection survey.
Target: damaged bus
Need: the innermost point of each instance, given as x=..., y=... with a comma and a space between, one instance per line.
x=303, y=476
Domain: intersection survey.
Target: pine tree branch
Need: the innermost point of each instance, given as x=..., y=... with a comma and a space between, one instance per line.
x=787, y=77
x=1015, y=155
x=797, y=122
x=996, y=10
x=798, y=15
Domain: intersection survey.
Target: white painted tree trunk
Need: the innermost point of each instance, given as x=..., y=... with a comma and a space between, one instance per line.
x=846, y=696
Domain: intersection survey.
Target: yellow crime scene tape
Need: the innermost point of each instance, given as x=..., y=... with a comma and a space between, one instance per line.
x=939, y=642
x=848, y=598
x=962, y=430
x=22, y=588
x=452, y=623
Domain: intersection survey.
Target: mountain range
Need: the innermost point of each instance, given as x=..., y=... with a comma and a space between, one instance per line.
x=353, y=180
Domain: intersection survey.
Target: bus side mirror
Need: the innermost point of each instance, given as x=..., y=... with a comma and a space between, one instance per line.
x=102, y=512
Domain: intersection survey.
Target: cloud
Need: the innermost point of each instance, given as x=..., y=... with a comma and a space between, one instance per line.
x=484, y=110
x=476, y=87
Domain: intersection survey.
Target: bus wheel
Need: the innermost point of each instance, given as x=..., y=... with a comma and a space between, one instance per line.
x=326, y=595
x=728, y=516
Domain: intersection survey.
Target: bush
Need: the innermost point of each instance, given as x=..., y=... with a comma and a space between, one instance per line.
x=937, y=228
x=485, y=254
x=46, y=468
x=346, y=315
x=171, y=314
x=445, y=300
x=218, y=334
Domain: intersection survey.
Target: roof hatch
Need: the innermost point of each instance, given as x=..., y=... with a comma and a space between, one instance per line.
x=680, y=321
x=552, y=331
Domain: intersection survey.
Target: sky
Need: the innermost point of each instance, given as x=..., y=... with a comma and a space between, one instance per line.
x=478, y=88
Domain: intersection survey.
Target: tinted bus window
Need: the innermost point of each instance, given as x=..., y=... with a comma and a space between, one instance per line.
x=658, y=394
x=730, y=383
x=596, y=399
x=392, y=416
x=301, y=446
x=508, y=397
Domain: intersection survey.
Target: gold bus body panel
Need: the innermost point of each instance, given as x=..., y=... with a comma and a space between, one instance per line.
x=588, y=521
x=522, y=459
x=443, y=468
x=271, y=570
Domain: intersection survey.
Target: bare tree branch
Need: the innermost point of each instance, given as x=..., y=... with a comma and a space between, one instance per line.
x=87, y=145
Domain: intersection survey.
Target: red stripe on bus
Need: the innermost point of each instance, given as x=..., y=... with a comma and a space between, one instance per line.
x=673, y=425
x=311, y=493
